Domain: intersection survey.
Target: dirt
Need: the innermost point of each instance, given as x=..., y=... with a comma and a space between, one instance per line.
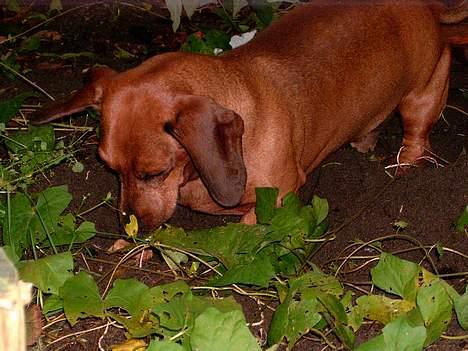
x=365, y=202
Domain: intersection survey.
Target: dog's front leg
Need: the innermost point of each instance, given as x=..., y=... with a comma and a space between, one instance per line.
x=250, y=217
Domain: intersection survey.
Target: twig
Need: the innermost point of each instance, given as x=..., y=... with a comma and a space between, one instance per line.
x=457, y=109
x=81, y=332
x=27, y=80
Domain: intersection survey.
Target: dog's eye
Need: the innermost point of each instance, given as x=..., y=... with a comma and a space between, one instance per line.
x=148, y=176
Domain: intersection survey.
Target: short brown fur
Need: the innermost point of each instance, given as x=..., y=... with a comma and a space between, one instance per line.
x=206, y=131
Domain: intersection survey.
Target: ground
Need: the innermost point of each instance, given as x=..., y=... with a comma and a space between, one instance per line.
x=365, y=201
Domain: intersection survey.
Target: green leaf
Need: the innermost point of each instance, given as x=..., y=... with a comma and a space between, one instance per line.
x=294, y=220
x=436, y=309
x=461, y=308
x=300, y=310
x=49, y=273
x=28, y=223
x=165, y=345
x=9, y=108
x=129, y=294
x=84, y=232
x=161, y=294
x=462, y=221
x=81, y=298
x=176, y=310
x=339, y=321
x=293, y=318
x=265, y=204
x=231, y=244
x=50, y=204
x=10, y=61
x=12, y=5
x=258, y=272
x=205, y=43
x=374, y=344
x=137, y=328
x=64, y=232
x=264, y=12
x=53, y=201
x=396, y=276
x=320, y=209
x=16, y=232
x=30, y=44
x=253, y=254
x=52, y=304
x=381, y=308
x=214, y=331
x=36, y=139
x=135, y=297
x=399, y=335
x=334, y=306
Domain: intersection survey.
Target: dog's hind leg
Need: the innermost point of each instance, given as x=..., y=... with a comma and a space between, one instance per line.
x=420, y=109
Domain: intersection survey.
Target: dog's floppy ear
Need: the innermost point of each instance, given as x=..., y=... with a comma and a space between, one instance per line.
x=89, y=96
x=212, y=135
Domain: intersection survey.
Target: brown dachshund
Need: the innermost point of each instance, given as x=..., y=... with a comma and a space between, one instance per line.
x=205, y=131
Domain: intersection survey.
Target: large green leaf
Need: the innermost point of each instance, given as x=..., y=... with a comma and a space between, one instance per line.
x=214, y=330
x=42, y=223
x=396, y=276
x=399, y=335
x=129, y=294
x=81, y=298
x=435, y=306
x=39, y=139
x=382, y=308
x=257, y=272
x=300, y=309
x=17, y=229
x=461, y=308
x=165, y=345
x=49, y=273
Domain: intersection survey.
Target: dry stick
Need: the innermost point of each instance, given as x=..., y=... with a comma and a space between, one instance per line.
x=129, y=254
x=392, y=236
x=457, y=109
x=397, y=252
x=81, y=333
x=354, y=286
x=57, y=319
x=140, y=269
x=27, y=80
x=143, y=9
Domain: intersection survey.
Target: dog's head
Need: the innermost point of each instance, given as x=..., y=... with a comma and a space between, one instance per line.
x=157, y=140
